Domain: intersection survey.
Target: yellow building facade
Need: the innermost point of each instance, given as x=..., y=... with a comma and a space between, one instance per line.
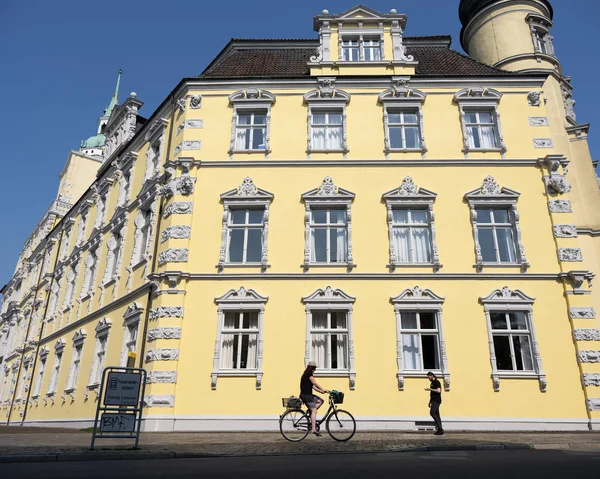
x=374, y=202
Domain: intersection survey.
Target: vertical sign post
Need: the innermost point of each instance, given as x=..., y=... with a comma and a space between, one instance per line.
x=119, y=409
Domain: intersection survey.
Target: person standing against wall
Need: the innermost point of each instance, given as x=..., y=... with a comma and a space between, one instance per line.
x=435, y=400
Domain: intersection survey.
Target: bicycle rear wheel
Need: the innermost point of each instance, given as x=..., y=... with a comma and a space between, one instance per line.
x=294, y=425
x=341, y=425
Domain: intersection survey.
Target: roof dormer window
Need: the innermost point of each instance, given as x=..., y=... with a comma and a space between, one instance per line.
x=350, y=50
x=372, y=49
x=361, y=49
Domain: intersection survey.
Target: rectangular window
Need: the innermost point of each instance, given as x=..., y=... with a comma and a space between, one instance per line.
x=420, y=341
x=412, y=235
x=404, y=129
x=328, y=236
x=144, y=237
x=40, y=377
x=495, y=230
x=239, y=339
x=251, y=130
x=75, y=366
x=372, y=50
x=329, y=339
x=129, y=341
x=98, y=361
x=482, y=130
x=541, y=42
x=327, y=130
x=4, y=390
x=245, y=235
x=350, y=50
x=55, y=373
x=113, y=259
x=23, y=382
x=512, y=341
x=91, y=263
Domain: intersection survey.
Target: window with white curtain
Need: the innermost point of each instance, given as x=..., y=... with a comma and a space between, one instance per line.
x=245, y=235
x=495, y=230
x=75, y=367
x=328, y=235
x=327, y=130
x=351, y=49
x=372, y=49
x=251, y=130
x=404, y=129
x=129, y=341
x=482, y=131
x=512, y=341
x=411, y=230
x=98, y=360
x=55, y=372
x=239, y=340
x=40, y=376
x=329, y=340
x=420, y=341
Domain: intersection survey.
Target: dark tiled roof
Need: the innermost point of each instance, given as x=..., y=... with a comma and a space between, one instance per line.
x=243, y=59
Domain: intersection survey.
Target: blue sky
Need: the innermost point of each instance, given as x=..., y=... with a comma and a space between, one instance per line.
x=59, y=59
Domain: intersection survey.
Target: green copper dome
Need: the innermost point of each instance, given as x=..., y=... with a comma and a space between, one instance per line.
x=96, y=141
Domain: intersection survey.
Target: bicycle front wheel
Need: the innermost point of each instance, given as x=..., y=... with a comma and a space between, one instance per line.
x=294, y=425
x=341, y=425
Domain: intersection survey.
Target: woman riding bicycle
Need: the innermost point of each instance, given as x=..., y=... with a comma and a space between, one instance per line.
x=312, y=401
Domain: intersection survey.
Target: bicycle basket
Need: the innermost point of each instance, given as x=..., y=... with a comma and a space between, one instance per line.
x=291, y=402
x=338, y=397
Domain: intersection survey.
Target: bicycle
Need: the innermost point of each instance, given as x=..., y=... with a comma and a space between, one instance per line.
x=294, y=424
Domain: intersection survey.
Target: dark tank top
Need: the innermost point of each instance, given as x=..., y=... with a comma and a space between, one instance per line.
x=306, y=385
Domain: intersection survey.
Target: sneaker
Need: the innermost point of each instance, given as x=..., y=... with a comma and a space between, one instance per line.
x=439, y=432
x=318, y=434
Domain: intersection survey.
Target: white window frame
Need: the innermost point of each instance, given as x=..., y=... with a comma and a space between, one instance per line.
x=325, y=300
x=99, y=360
x=327, y=196
x=71, y=278
x=252, y=126
x=480, y=98
x=540, y=25
x=76, y=358
x=491, y=195
x=409, y=196
x=251, y=100
x=417, y=300
x=59, y=349
x=91, y=271
x=246, y=196
x=24, y=379
x=154, y=152
x=131, y=322
x=506, y=300
x=144, y=227
x=82, y=226
x=360, y=36
x=239, y=301
x=114, y=255
x=327, y=98
x=37, y=388
x=402, y=98
x=101, y=205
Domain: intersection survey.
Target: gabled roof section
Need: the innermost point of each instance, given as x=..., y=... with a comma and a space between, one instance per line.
x=359, y=12
x=248, y=58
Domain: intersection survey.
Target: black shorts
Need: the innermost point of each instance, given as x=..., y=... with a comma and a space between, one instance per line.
x=310, y=400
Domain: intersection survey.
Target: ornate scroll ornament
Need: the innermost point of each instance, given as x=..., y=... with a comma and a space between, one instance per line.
x=195, y=102
x=534, y=98
x=560, y=206
x=408, y=187
x=164, y=333
x=557, y=184
x=490, y=194
x=79, y=337
x=327, y=91
x=577, y=278
x=565, y=231
x=173, y=255
x=156, y=377
x=162, y=354
x=103, y=327
x=582, y=313
x=183, y=185
x=59, y=346
x=543, y=143
x=187, y=145
x=159, y=400
x=573, y=255
x=538, y=121
x=44, y=351
x=589, y=356
x=400, y=52
x=586, y=334
x=591, y=379
x=166, y=312
x=503, y=300
x=178, y=208
x=181, y=104
x=176, y=232
x=327, y=188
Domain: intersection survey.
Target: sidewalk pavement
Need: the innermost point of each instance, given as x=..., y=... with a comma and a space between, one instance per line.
x=27, y=444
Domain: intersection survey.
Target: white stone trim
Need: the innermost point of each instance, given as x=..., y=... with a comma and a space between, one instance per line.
x=162, y=354
x=176, y=232
x=187, y=145
x=163, y=333
x=159, y=400
x=538, y=121
x=247, y=195
x=251, y=100
x=591, y=379
x=327, y=195
x=589, y=356
x=565, y=231
x=166, y=312
x=505, y=300
x=570, y=255
x=157, y=377
x=178, y=208
x=239, y=301
x=582, y=313
x=543, y=143
x=324, y=300
x=585, y=334
x=182, y=185
x=173, y=255
x=593, y=404
x=560, y=206
x=407, y=195
x=418, y=300
x=490, y=194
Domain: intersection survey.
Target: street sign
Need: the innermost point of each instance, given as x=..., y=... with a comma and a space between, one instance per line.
x=121, y=397
x=122, y=389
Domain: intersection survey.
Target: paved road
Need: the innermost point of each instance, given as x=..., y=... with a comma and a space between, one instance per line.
x=438, y=465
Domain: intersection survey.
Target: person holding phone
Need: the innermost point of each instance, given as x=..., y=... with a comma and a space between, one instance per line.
x=435, y=400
